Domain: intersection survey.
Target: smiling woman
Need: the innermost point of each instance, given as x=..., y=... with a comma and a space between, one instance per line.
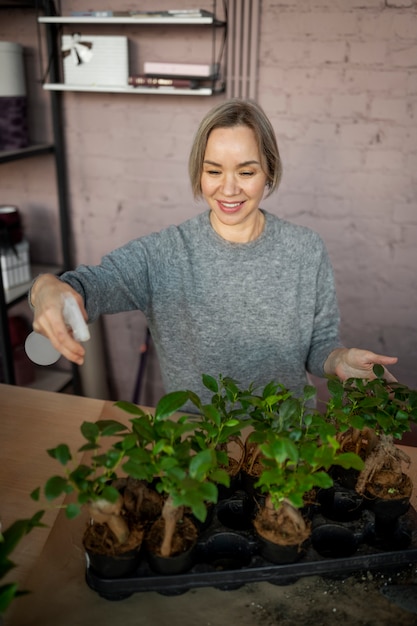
x=235, y=290
x=233, y=188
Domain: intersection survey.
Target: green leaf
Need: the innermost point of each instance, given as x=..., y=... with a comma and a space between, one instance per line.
x=170, y=403
x=108, y=428
x=200, y=464
x=90, y=431
x=213, y=414
x=61, y=453
x=7, y=593
x=210, y=383
x=199, y=509
x=378, y=370
x=55, y=487
x=335, y=386
x=130, y=408
x=129, y=441
x=143, y=428
x=140, y=471
x=322, y=479
x=109, y=493
x=16, y=531
x=309, y=392
x=72, y=510
x=220, y=477
x=349, y=460
x=35, y=495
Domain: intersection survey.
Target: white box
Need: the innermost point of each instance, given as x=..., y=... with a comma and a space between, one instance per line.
x=95, y=61
x=15, y=266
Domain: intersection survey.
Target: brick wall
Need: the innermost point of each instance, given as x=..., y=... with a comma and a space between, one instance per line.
x=338, y=80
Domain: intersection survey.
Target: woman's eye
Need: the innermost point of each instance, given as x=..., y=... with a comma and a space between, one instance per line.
x=246, y=173
x=213, y=172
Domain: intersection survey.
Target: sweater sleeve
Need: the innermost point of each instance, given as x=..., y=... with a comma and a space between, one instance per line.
x=325, y=337
x=119, y=283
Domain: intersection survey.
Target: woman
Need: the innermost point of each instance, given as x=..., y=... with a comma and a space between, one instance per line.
x=233, y=291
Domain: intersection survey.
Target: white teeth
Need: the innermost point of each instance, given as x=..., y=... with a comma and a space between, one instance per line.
x=231, y=205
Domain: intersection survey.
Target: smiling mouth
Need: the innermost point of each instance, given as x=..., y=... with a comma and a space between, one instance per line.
x=229, y=207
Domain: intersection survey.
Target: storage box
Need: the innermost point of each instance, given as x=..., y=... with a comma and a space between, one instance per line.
x=95, y=61
x=15, y=266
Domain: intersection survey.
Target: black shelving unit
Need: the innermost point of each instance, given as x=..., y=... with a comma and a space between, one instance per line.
x=56, y=148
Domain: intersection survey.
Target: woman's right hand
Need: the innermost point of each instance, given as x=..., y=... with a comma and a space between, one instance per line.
x=47, y=298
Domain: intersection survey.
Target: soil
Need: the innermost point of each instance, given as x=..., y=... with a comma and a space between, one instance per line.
x=390, y=486
x=285, y=526
x=184, y=537
x=98, y=538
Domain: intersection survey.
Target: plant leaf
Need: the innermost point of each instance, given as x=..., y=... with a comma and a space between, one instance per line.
x=170, y=403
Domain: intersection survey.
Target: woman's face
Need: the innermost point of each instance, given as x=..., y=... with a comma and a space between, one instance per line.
x=232, y=181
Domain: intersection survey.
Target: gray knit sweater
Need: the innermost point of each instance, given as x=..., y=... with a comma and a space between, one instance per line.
x=260, y=311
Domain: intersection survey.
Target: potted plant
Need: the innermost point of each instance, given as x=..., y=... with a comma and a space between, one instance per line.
x=370, y=416
x=296, y=455
x=112, y=539
x=220, y=422
x=187, y=475
x=274, y=409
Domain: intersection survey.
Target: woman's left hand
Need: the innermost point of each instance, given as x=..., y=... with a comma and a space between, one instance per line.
x=356, y=363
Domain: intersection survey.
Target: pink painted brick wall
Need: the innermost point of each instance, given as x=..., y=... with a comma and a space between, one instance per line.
x=338, y=80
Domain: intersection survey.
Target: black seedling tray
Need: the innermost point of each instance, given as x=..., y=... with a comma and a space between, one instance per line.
x=228, y=551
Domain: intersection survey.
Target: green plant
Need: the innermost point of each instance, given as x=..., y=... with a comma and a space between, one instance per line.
x=296, y=461
x=387, y=408
x=369, y=416
x=296, y=445
x=165, y=455
x=9, y=539
x=91, y=479
x=220, y=422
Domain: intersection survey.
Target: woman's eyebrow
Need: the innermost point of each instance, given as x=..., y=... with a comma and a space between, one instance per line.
x=244, y=164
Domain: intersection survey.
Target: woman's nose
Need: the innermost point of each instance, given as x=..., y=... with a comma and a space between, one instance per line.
x=230, y=185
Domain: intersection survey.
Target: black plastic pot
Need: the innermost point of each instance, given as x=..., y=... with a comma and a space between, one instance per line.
x=387, y=510
x=334, y=540
x=113, y=566
x=236, y=511
x=171, y=565
x=279, y=554
x=227, y=558
x=341, y=504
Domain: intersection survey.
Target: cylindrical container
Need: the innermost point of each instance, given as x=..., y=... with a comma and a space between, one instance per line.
x=13, y=102
x=11, y=230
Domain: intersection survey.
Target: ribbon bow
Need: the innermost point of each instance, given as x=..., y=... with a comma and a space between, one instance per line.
x=80, y=51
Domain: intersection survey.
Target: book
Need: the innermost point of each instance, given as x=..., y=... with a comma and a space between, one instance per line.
x=185, y=70
x=181, y=13
x=143, y=80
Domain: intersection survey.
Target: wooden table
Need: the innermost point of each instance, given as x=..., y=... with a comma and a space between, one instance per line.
x=51, y=561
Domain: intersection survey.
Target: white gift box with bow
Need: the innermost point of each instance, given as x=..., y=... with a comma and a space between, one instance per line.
x=95, y=60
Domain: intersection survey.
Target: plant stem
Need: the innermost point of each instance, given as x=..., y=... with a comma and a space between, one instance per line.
x=170, y=514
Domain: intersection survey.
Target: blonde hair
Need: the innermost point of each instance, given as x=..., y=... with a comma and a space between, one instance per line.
x=237, y=112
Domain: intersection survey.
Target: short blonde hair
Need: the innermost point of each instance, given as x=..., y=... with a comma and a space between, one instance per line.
x=237, y=112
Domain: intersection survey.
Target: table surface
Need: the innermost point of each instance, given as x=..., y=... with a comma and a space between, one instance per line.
x=50, y=560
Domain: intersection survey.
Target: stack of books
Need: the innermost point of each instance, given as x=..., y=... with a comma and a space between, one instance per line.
x=175, y=75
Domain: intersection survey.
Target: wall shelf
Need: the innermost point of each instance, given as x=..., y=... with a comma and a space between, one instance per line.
x=150, y=91
x=137, y=21
x=210, y=85
x=24, y=153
